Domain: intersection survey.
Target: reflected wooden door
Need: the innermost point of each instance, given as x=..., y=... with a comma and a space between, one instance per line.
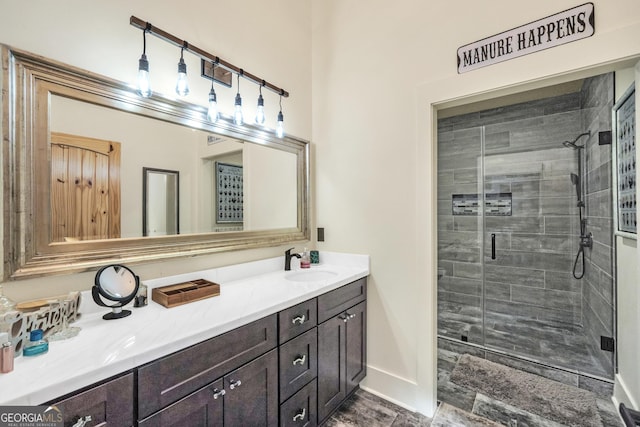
x=85, y=188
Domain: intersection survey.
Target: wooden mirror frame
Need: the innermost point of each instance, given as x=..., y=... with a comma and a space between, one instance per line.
x=27, y=83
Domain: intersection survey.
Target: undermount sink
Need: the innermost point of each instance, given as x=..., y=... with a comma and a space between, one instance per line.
x=310, y=275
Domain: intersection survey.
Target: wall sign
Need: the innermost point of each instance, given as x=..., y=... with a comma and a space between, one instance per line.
x=564, y=27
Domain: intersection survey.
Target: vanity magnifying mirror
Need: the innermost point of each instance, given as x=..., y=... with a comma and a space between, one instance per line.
x=57, y=116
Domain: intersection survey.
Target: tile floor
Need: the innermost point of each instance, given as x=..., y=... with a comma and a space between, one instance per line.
x=364, y=409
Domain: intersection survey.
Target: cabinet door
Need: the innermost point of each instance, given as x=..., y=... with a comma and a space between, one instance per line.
x=252, y=393
x=109, y=404
x=356, y=342
x=200, y=409
x=331, y=365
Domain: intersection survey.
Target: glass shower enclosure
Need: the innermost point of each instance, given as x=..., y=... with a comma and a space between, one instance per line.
x=520, y=188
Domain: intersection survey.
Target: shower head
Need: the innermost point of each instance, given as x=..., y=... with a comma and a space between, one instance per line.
x=573, y=145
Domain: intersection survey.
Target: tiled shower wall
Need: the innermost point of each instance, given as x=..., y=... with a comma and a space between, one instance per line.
x=598, y=283
x=536, y=245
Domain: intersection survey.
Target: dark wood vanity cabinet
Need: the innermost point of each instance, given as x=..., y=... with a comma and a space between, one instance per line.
x=108, y=404
x=293, y=368
x=341, y=345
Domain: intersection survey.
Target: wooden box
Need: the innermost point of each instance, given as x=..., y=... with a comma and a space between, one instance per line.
x=183, y=293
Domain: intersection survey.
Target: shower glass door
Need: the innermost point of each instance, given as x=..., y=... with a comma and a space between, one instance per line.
x=532, y=302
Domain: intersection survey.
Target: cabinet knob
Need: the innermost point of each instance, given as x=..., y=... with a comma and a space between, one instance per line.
x=343, y=317
x=217, y=393
x=299, y=416
x=299, y=319
x=235, y=384
x=299, y=360
x=351, y=316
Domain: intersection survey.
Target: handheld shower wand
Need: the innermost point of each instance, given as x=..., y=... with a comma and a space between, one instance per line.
x=575, y=180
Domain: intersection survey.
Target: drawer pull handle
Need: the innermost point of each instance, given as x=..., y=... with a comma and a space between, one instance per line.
x=300, y=415
x=344, y=317
x=299, y=319
x=299, y=360
x=217, y=393
x=235, y=384
x=82, y=421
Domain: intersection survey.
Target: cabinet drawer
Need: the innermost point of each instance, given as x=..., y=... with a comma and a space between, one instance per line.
x=301, y=409
x=298, y=363
x=109, y=404
x=340, y=299
x=297, y=319
x=171, y=378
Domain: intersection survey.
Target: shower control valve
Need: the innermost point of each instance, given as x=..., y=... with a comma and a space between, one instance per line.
x=586, y=240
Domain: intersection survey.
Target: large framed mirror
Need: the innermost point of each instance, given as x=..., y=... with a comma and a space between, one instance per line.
x=75, y=144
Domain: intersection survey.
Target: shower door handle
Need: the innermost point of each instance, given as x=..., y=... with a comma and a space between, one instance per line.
x=493, y=245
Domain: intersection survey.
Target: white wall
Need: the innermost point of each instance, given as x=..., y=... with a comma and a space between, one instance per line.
x=380, y=73
x=269, y=39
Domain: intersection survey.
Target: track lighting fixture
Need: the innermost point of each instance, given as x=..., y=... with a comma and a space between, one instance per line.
x=260, y=109
x=238, y=117
x=182, y=85
x=144, y=86
x=280, y=124
x=224, y=76
x=212, y=111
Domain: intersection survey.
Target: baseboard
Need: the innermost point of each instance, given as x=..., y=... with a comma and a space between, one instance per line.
x=391, y=387
x=621, y=394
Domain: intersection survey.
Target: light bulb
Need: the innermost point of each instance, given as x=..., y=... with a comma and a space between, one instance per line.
x=212, y=112
x=182, y=85
x=280, y=125
x=238, y=117
x=144, y=85
x=260, y=111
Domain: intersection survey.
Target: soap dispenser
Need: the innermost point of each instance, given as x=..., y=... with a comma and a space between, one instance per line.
x=305, y=261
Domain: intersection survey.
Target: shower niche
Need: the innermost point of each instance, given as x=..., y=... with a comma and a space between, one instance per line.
x=469, y=204
x=520, y=188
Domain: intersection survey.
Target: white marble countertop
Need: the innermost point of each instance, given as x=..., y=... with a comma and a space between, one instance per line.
x=103, y=348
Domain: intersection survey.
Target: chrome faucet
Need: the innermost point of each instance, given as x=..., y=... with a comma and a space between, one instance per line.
x=287, y=259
